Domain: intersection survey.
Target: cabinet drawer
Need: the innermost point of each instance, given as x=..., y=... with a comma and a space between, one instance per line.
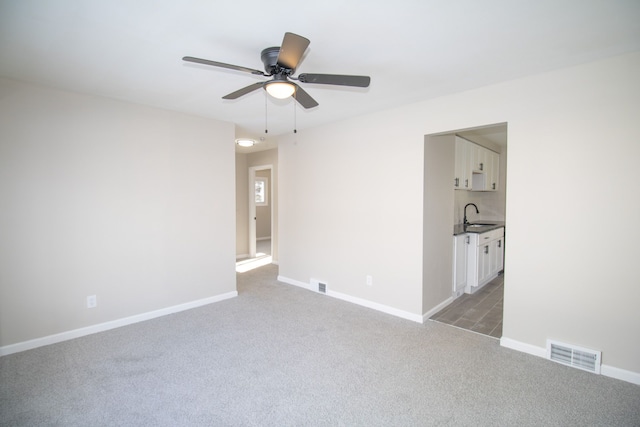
x=490, y=236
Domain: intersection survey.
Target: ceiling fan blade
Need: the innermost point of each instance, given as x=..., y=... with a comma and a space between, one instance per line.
x=222, y=65
x=335, y=79
x=245, y=90
x=291, y=51
x=304, y=98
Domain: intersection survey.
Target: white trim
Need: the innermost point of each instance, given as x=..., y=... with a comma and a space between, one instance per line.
x=607, y=371
x=101, y=327
x=359, y=301
x=436, y=309
x=252, y=212
x=376, y=306
x=523, y=347
x=620, y=374
x=289, y=281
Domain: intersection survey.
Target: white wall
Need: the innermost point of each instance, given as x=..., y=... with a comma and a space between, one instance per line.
x=100, y=197
x=437, y=252
x=351, y=204
x=242, y=206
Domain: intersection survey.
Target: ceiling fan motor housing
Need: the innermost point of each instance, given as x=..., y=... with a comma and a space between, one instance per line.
x=269, y=58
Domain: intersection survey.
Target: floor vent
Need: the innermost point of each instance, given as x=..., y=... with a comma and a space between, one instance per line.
x=571, y=355
x=318, y=286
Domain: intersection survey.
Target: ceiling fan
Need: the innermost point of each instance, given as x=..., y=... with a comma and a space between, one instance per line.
x=280, y=63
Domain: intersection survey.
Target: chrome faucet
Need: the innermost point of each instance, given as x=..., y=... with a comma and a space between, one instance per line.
x=465, y=212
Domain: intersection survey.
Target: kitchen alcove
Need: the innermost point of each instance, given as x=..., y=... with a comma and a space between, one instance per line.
x=443, y=206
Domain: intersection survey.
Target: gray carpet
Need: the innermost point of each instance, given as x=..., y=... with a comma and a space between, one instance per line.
x=282, y=356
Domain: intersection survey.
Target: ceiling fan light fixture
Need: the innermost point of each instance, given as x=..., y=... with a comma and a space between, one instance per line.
x=244, y=142
x=280, y=90
x=280, y=62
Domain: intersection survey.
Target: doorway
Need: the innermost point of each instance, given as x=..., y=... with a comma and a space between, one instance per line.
x=481, y=311
x=260, y=211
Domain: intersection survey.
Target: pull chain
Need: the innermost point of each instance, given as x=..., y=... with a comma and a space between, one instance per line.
x=295, y=120
x=265, y=113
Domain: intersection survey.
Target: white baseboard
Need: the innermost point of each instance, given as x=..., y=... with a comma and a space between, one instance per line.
x=289, y=281
x=620, y=374
x=77, y=333
x=436, y=309
x=376, y=306
x=359, y=301
x=607, y=371
x=523, y=347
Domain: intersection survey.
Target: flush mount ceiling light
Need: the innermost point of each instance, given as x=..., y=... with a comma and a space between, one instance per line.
x=244, y=142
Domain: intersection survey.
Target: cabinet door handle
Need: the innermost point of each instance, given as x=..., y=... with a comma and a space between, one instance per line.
x=457, y=182
x=468, y=240
x=466, y=183
x=486, y=249
x=494, y=186
x=481, y=166
x=499, y=243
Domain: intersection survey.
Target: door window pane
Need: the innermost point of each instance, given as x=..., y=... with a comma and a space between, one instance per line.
x=262, y=197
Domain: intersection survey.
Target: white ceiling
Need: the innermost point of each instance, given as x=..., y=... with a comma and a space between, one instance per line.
x=412, y=49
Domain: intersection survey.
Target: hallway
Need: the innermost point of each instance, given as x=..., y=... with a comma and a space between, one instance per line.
x=263, y=257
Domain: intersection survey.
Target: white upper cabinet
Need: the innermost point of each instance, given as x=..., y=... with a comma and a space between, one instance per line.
x=478, y=157
x=493, y=171
x=462, y=180
x=476, y=168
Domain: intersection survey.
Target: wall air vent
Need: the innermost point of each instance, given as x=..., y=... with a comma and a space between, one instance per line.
x=571, y=355
x=318, y=286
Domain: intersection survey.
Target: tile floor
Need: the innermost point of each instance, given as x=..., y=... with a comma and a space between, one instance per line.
x=480, y=312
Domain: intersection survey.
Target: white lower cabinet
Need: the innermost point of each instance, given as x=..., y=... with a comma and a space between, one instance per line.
x=460, y=251
x=485, y=258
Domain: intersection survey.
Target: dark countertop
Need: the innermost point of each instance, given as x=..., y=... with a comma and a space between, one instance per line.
x=487, y=226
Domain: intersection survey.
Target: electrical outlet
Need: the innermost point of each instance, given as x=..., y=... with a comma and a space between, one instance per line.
x=369, y=280
x=92, y=301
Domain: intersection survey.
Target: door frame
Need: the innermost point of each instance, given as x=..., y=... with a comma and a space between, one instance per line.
x=252, y=206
